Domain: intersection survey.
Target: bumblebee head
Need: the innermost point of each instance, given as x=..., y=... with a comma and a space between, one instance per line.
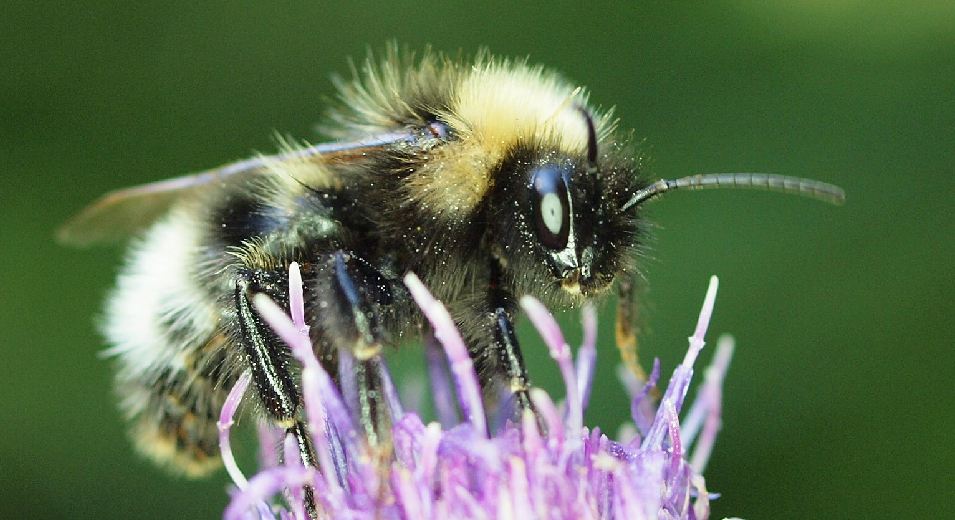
x=561, y=230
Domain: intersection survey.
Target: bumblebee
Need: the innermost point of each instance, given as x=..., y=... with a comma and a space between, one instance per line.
x=489, y=178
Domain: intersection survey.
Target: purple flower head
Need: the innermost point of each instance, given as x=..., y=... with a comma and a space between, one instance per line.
x=458, y=470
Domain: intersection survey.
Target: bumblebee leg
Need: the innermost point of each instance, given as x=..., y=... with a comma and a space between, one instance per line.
x=268, y=357
x=511, y=359
x=344, y=308
x=270, y=362
x=359, y=293
x=626, y=328
x=362, y=388
x=492, y=344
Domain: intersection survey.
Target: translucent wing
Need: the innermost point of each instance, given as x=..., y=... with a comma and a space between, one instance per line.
x=123, y=213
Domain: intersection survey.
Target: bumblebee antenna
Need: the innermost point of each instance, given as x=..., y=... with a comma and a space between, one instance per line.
x=591, y=137
x=766, y=181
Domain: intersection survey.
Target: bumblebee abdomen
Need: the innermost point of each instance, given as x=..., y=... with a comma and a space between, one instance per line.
x=174, y=366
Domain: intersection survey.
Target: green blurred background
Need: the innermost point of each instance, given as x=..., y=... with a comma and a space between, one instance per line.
x=839, y=400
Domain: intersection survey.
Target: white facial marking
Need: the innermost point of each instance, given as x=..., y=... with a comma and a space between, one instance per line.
x=552, y=213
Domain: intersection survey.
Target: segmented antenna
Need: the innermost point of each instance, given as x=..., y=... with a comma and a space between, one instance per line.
x=766, y=181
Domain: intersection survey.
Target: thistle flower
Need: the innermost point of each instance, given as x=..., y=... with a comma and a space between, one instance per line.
x=459, y=471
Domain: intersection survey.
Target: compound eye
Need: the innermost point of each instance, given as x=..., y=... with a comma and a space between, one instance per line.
x=551, y=206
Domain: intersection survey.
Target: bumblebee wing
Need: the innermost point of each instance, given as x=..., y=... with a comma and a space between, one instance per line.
x=123, y=213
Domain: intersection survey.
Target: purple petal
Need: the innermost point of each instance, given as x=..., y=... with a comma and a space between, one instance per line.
x=711, y=393
x=548, y=328
x=680, y=381
x=587, y=356
x=442, y=394
x=224, y=425
x=469, y=393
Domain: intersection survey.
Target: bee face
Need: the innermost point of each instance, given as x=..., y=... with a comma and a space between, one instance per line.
x=562, y=233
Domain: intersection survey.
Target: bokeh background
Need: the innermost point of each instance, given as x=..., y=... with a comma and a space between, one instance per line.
x=839, y=401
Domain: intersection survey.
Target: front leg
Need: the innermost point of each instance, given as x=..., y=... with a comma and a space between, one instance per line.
x=511, y=360
x=486, y=321
x=627, y=327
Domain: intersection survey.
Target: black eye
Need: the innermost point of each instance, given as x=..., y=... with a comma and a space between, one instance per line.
x=551, y=207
